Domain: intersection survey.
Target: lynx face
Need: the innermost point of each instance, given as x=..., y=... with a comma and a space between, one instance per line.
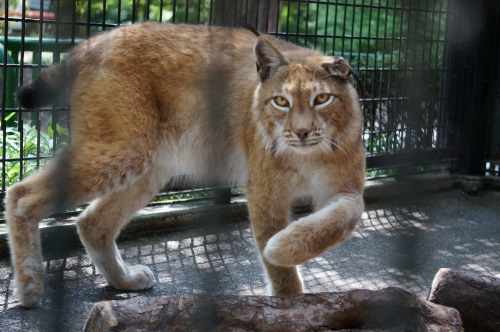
x=301, y=109
x=299, y=101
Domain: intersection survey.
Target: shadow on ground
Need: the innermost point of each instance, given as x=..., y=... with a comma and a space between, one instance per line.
x=400, y=244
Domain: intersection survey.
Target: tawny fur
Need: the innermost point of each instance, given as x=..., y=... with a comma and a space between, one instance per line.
x=149, y=101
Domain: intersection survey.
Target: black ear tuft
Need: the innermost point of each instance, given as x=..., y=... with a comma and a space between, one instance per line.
x=338, y=67
x=268, y=58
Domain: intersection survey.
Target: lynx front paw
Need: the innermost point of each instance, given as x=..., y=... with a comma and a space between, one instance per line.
x=287, y=248
x=138, y=277
x=28, y=286
x=290, y=289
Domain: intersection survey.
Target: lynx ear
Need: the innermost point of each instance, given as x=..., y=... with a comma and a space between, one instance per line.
x=268, y=58
x=338, y=67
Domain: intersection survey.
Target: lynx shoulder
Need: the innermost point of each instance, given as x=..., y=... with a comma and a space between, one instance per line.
x=150, y=101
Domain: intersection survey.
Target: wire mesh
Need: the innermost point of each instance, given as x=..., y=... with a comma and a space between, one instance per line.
x=399, y=48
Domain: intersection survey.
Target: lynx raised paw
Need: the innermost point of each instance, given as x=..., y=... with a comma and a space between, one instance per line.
x=287, y=248
x=138, y=277
x=28, y=286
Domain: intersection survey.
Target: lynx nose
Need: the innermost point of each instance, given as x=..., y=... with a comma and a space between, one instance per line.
x=302, y=133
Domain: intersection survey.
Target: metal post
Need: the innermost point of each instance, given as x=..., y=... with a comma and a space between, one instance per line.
x=473, y=54
x=261, y=15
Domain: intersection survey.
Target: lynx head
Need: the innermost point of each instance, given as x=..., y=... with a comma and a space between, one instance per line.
x=304, y=103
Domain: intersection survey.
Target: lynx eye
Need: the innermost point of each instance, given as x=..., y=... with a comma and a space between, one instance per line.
x=280, y=102
x=322, y=99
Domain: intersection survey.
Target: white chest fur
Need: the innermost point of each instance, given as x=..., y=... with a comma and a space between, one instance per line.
x=203, y=160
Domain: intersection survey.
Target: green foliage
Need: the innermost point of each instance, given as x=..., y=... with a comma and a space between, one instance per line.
x=127, y=11
x=112, y=12
x=195, y=195
x=361, y=26
x=377, y=173
x=342, y=20
x=29, y=144
x=400, y=108
x=183, y=196
x=60, y=136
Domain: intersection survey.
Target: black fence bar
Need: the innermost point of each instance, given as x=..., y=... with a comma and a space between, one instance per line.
x=474, y=69
x=408, y=159
x=493, y=103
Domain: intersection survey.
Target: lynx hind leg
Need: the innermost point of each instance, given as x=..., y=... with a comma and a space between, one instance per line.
x=311, y=236
x=76, y=176
x=100, y=224
x=28, y=202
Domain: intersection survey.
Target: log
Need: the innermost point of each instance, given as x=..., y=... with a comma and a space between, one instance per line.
x=476, y=297
x=389, y=308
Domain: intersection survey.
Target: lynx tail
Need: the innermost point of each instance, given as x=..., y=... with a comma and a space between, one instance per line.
x=47, y=87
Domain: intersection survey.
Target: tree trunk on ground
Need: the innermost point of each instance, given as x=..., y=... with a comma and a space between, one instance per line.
x=389, y=309
x=476, y=297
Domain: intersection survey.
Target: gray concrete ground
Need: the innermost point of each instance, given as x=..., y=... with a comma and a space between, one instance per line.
x=398, y=243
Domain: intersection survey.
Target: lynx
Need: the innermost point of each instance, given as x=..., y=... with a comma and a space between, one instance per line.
x=226, y=106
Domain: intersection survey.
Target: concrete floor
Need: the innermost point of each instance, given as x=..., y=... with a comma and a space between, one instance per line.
x=398, y=243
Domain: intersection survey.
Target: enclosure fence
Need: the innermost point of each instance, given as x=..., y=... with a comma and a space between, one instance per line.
x=409, y=55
